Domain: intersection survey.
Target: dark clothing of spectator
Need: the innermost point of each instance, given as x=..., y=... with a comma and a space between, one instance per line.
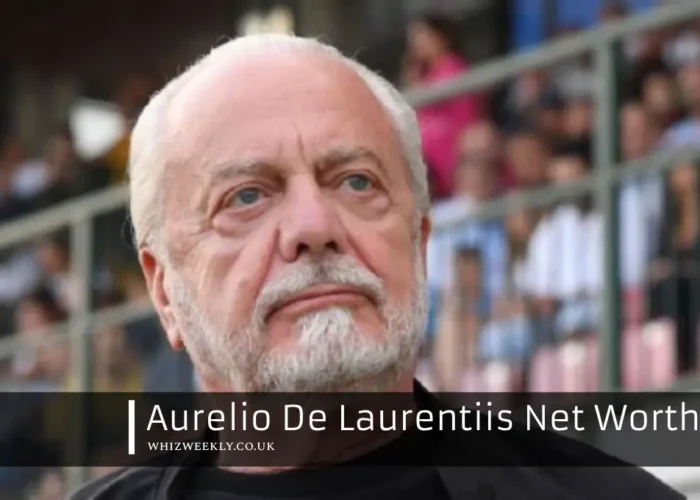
x=677, y=295
x=675, y=292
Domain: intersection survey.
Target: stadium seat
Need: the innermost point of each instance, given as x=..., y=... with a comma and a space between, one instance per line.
x=578, y=361
x=649, y=356
x=633, y=307
x=569, y=367
x=470, y=380
x=500, y=376
x=494, y=376
x=544, y=370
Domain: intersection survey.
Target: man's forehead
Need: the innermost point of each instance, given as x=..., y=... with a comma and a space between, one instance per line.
x=253, y=103
x=235, y=95
x=255, y=79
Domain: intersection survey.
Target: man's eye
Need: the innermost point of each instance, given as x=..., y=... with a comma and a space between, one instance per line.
x=358, y=182
x=245, y=197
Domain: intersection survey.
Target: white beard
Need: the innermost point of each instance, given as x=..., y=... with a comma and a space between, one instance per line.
x=331, y=351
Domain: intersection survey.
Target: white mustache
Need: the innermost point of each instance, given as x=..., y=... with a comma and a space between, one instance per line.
x=332, y=270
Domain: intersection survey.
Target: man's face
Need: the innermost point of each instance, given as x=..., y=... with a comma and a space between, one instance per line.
x=295, y=259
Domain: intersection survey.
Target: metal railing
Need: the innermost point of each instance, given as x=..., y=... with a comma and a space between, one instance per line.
x=603, y=42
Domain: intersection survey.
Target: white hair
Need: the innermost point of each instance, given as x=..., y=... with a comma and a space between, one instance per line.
x=148, y=155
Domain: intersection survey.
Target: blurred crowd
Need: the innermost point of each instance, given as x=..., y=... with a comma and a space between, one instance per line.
x=39, y=290
x=37, y=286
x=510, y=297
x=522, y=293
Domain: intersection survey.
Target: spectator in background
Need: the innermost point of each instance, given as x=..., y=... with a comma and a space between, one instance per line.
x=469, y=285
x=58, y=176
x=523, y=98
x=574, y=78
x=527, y=156
x=641, y=197
x=433, y=56
x=520, y=226
x=465, y=308
x=19, y=275
x=476, y=183
x=12, y=158
x=43, y=366
x=646, y=58
x=509, y=334
x=681, y=43
x=686, y=133
x=578, y=120
x=549, y=117
x=116, y=366
x=564, y=265
x=578, y=124
x=660, y=98
x=52, y=254
x=674, y=273
x=483, y=141
x=35, y=178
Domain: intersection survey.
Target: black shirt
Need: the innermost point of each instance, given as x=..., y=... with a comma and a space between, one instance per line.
x=361, y=478
x=369, y=484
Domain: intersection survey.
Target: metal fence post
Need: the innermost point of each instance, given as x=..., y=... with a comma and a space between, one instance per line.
x=606, y=141
x=81, y=344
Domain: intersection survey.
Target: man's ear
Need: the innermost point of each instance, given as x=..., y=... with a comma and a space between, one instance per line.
x=425, y=229
x=154, y=271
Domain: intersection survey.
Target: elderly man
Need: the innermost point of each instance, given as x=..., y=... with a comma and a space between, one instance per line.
x=279, y=203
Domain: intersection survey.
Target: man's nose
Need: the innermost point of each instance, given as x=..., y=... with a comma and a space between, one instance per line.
x=309, y=225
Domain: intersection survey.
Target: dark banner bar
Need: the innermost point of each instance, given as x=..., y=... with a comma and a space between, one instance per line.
x=116, y=430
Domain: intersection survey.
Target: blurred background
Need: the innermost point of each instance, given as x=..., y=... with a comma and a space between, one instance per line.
x=559, y=136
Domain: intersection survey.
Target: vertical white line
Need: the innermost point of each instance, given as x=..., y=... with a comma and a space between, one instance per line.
x=132, y=427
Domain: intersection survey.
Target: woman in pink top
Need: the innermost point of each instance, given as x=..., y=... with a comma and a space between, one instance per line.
x=433, y=57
